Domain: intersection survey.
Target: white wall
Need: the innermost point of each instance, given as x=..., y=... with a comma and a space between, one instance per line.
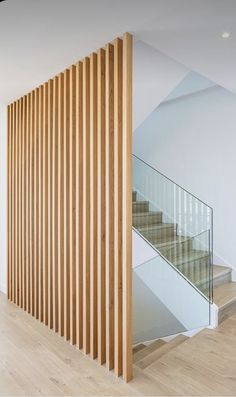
x=192, y=140
x=3, y=196
x=150, y=87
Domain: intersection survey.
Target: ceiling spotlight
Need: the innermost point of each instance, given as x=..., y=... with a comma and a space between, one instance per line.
x=225, y=35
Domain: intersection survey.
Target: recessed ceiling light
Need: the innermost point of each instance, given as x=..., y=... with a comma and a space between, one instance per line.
x=225, y=35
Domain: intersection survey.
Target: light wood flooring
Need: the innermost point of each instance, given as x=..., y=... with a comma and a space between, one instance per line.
x=34, y=361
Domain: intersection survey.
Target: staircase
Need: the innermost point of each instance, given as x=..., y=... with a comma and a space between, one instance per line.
x=173, y=288
x=179, y=250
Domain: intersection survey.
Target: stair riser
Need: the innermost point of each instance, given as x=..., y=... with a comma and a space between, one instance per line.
x=171, y=252
x=140, y=207
x=227, y=311
x=224, y=279
x=154, y=235
x=145, y=220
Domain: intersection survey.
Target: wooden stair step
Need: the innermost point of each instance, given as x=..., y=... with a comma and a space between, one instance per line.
x=221, y=275
x=138, y=347
x=194, y=255
x=225, y=298
x=148, y=350
x=154, y=232
x=140, y=206
x=146, y=218
x=157, y=353
x=171, y=242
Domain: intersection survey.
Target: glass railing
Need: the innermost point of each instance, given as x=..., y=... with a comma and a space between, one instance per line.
x=165, y=302
x=177, y=224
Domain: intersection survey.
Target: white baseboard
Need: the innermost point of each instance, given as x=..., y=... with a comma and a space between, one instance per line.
x=233, y=275
x=214, y=316
x=3, y=288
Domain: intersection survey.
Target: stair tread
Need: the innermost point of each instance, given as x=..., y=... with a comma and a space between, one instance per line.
x=147, y=213
x=164, y=242
x=219, y=271
x=156, y=354
x=156, y=227
x=141, y=202
x=148, y=350
x=138, y=348
x=225, y=294
x=191, y=256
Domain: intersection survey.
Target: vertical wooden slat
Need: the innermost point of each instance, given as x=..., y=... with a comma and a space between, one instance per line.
x=93, y=204
x=36, y=203
x=66, y=162
x=19, y=202
x=72, y=204
x=8, y=201
x=45, y=203
x=118, y=61
x=61, y=205
x=9, y=198
x=127, y=207
x=17, y=205
x=41, y=187
x=101, y=208
x=24, y=202
x=13, y=202
x=109, y=97
x=55, y=204
x=49, y=215
x=31, y=204
x=79, y=204
x=8, y=195
x=86, y=206
x=28, y=205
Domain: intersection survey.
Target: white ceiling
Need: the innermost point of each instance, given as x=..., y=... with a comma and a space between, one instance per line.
x=40, y=38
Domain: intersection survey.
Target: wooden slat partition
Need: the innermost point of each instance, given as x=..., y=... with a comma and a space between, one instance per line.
x=70, y=204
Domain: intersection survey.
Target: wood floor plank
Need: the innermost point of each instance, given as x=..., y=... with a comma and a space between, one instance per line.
x=203, y=365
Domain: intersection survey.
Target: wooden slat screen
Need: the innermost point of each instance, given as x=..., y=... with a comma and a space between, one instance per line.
x=70, y=204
